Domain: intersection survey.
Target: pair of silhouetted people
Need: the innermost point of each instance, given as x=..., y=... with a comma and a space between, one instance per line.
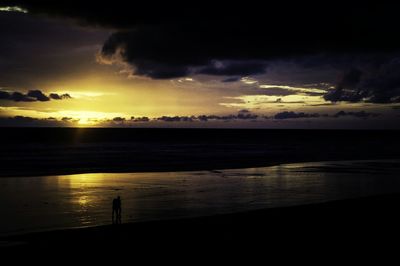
x=116, y=210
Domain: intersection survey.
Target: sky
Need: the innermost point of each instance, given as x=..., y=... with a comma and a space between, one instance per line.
x=237, y=65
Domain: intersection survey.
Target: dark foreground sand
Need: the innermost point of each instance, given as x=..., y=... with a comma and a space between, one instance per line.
x=356, y=227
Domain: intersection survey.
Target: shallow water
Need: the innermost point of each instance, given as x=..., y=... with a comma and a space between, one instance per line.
x=66, y=201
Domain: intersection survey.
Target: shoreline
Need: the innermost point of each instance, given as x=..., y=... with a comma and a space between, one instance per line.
x=372, y=215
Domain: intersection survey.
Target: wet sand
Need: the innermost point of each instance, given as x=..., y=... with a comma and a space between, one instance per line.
x=82, y=200
x=354, y=226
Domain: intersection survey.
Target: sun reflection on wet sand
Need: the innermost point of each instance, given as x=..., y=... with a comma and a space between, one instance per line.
x=83, y=201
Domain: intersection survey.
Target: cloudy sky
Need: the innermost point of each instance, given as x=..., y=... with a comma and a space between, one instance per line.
x=81, y=63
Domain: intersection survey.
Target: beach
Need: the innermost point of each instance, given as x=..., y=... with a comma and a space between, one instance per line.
x=359, y=220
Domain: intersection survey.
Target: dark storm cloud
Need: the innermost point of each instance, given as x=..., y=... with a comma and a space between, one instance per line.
x=190, y=46
x=31, y=96
x=165, y=51
x=234, y=68
x=34, y=50
x=293, y=115
x=170, y=51
x=116, y=14
x=168, y=40
x=346, y=89
x=383, y=85
x=376, y=81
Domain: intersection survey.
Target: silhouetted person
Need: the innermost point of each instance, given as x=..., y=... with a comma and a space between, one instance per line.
x=116, y=210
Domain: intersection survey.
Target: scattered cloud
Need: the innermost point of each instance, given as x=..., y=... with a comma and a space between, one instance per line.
x=359, y=114
x=294, y=115
x=31, y=96
x=118, y=119
x=24, y=121
x=38, y=96
x=56, y=96
x=241, y=116
x=175, y=119
x=142, y=119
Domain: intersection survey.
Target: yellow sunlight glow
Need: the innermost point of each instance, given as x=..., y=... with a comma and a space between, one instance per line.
x=87, y=118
